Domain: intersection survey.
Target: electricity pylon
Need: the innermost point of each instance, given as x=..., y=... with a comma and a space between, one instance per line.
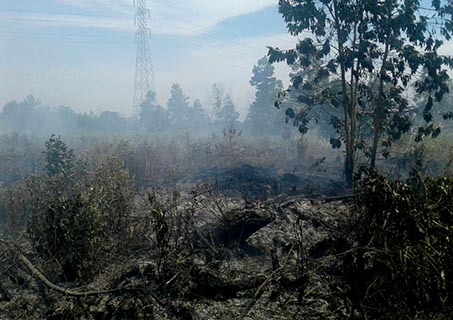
x=144, y=77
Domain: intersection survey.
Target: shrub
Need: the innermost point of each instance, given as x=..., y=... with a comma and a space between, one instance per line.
x=402, y=263
x=110, y=196
x=59, y=159
x=76, y=213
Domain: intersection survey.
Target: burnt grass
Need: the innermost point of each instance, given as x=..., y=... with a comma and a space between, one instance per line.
x=240, y=243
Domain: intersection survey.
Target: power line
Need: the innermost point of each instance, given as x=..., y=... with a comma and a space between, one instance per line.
x=102, y=41
x=217, y=35
x=99, y=39
x=238, y=44
x=216, y=21
x=239, y=47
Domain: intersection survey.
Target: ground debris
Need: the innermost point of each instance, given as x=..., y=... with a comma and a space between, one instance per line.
x=284, y=266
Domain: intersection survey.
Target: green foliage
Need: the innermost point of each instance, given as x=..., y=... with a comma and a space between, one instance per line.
x=28, y=116
x=228, y=116
x=178, y=108
x=19, y=156
x=76, y=213
x=364, y=58
x=225, y=113
x=152, y=116
x=17, y=204
x=263, y=117
x=110, y=196
x=402, y=263
x=177, y=118
x=20, y=116
x=67, y=233
x=198, y=117
x=59, y=159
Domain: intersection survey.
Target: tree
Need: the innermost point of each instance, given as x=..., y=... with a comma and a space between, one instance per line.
x=21, y=116
x=228, y=116
x=109, y=121
x=441, y=111
x=178, y=107
x=152, y=116
x=225, y=114
x=63, y=119
x=76, y=213
x=218, y=95
x=370, y=53
x=198, y=118
x=262, y=116
x=59, y=158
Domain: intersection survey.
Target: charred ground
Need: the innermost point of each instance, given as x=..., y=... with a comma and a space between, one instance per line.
x=112, y=231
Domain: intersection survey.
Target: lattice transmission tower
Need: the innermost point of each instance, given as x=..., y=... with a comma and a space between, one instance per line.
x=144, y=77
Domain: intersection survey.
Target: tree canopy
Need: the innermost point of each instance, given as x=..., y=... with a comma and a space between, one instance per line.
x=365, y=58
x=178, y=107
x=262, y=116
x=224, y=109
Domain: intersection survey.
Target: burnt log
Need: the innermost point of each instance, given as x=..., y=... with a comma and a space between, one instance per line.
x=234, y=227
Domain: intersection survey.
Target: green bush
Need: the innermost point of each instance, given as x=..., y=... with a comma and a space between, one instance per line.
x=59, y=159
x=109, y=196
x=402, y=263
x=76, y=214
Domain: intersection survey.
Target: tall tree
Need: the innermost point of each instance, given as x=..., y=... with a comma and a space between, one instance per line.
x=198, y=117
x=262, y=116
x=224, y=110
x=369, y=53
x=178, y=108
x=21, y=116
x=227, y=115
x=152, y=116
x=218, y=95
x=442, y=110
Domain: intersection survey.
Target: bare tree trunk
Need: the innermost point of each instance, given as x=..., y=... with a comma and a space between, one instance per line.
x=348, y=125
x=379, y=110
x=349, y=163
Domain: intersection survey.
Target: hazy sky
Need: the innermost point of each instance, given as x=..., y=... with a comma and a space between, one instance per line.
x=81, y=53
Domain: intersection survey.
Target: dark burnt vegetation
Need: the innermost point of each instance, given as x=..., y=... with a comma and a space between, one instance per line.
x=401, y=264
x=81, y=226
x=82, y=237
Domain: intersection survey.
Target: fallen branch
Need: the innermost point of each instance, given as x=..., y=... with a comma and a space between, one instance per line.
x=38, y=274
x=179, y=312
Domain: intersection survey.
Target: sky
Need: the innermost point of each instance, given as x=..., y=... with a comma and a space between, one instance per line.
x=81, y=53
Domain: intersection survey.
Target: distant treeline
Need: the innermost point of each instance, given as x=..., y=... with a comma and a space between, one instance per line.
x=271, y=113
x=178, y=116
